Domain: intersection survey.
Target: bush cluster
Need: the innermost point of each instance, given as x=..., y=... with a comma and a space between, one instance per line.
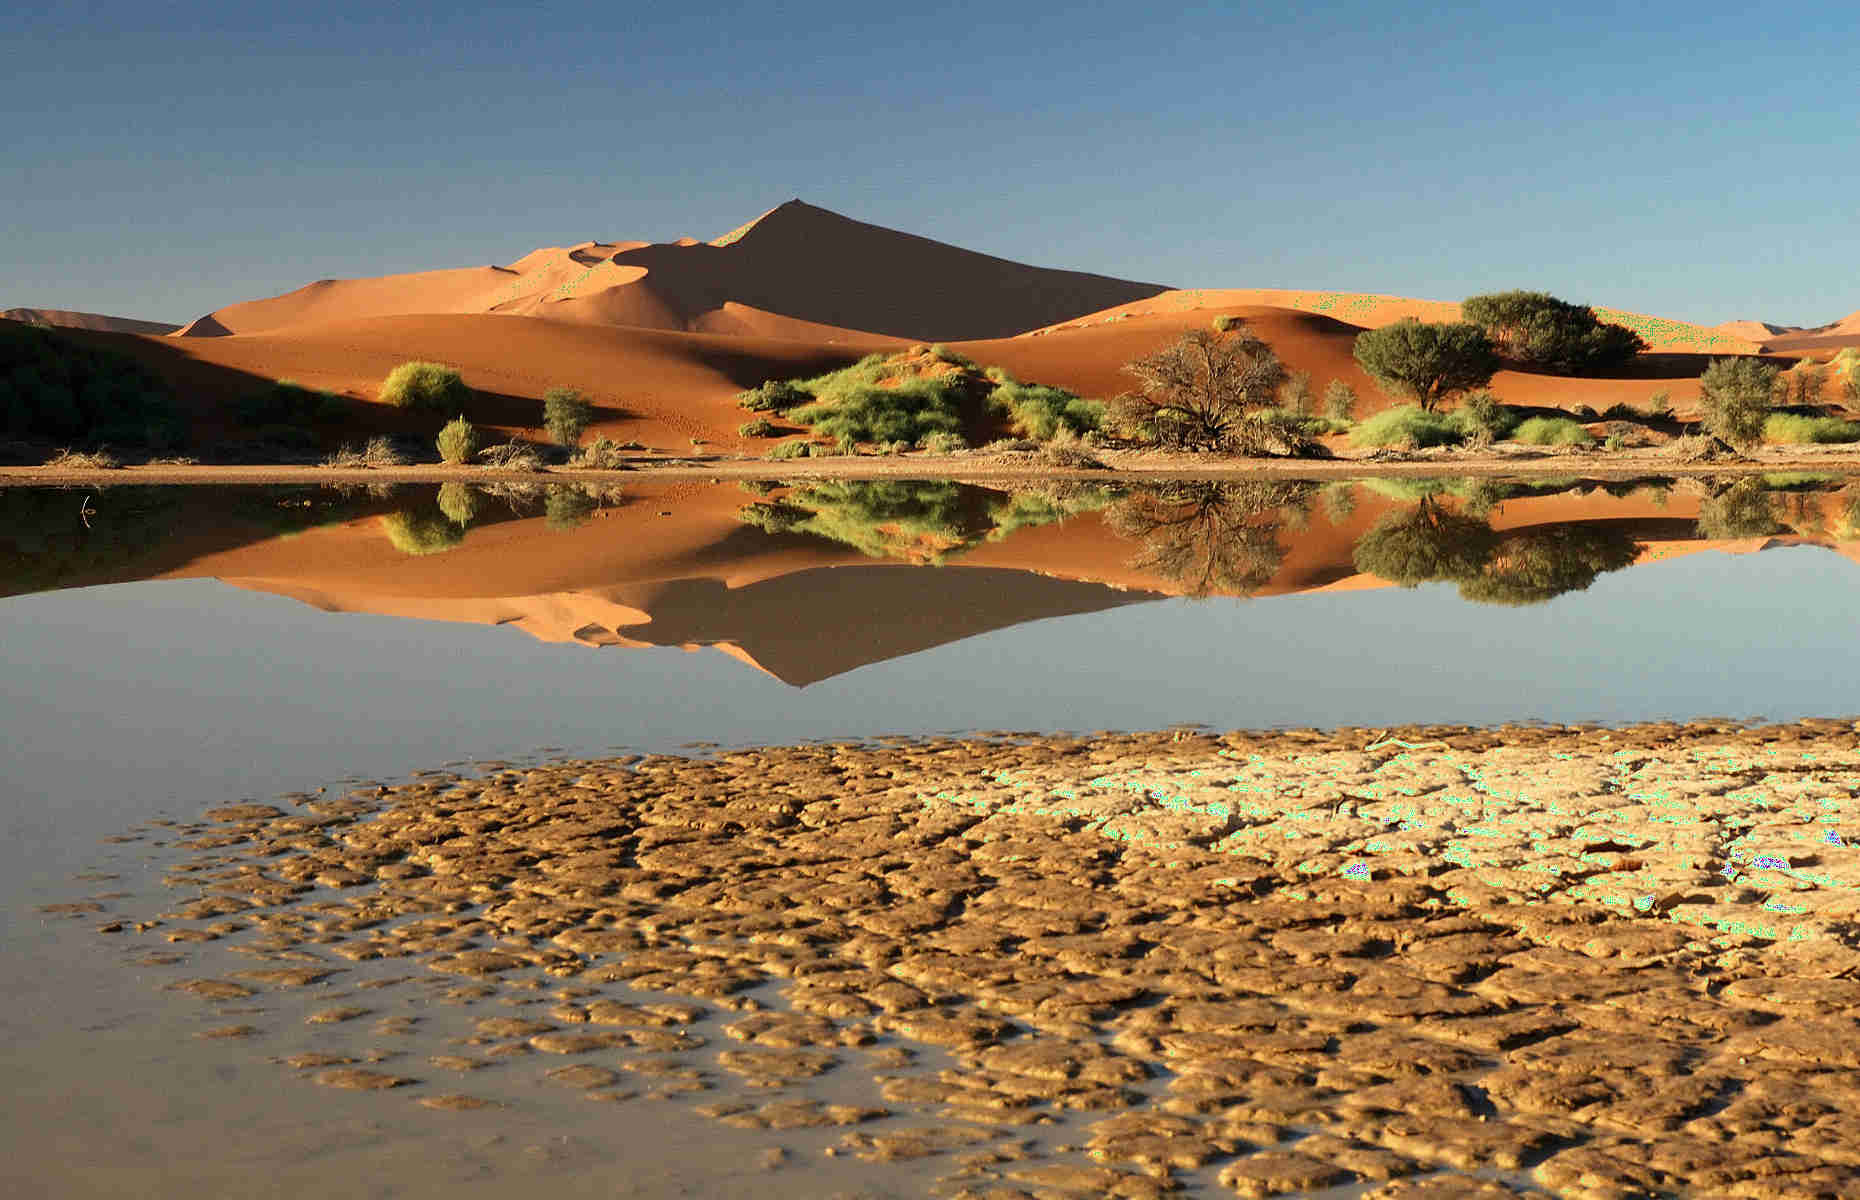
x=1540, y=332
x=53, y=387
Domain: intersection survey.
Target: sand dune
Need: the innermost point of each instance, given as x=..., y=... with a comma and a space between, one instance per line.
x=796, y=261
x=66, y=319
x=1089, y=357
x=1370, y=310
x=1754, y=331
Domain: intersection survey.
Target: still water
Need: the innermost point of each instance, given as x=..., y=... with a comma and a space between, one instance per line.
x=163, y=651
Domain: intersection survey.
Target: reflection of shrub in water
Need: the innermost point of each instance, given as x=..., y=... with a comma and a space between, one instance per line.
x=421, y=533
x=1212, y=537
x=460, y=502
x=913, y=520
x=566, y=506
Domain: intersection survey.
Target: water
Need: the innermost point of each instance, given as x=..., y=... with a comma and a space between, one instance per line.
x=166, y=650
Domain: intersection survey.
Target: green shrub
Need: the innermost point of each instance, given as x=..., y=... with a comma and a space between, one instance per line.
x=458, y=441
x=1483, y=418
x=566, y=413
x=1614, y=441
x=797, y=448
x=425, y=385
x=853, y=408
x=421, y=533
x=1734, y=399
x=1225, y=324
x=1339, y=401
x=761, y=427
x=1798, y=429
x=942, y=443
x=1408, y=425
x=1042, y=413
x=776, y=395
x=1552, y=431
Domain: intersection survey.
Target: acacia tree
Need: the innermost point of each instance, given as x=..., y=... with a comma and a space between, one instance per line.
x=1538, y=331
x=1427, y=363
x=1198, y=392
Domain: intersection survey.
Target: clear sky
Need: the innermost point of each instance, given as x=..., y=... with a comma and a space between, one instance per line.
x=1698, y=161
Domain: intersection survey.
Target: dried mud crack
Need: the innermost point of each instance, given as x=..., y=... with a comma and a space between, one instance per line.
x=1426, y=962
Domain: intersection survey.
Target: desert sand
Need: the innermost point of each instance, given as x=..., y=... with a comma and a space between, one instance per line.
x=1434, y=961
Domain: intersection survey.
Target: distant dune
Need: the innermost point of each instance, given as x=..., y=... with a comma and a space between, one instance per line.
x=1370, y=310
x=812, y=267
x=66, y=319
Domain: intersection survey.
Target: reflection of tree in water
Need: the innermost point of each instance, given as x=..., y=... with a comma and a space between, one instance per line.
x=1530, y=566
x=1429, y=543
x=1424, y=544
x=1210, y=537
x=914, y=520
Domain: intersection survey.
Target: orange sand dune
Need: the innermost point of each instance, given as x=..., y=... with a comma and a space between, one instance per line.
x=795, y=261
x=65, y=319
x=657, y=387
x=1089, y=359
x=1370, y=311
x=1754, y=331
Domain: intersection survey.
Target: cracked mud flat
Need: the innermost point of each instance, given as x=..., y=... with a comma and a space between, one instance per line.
x=1439, y=962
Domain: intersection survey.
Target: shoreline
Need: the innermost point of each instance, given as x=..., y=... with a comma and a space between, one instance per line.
x=1272, y=962
x=1119, y=467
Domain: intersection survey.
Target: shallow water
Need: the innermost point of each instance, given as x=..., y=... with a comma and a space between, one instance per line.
x=136, y=685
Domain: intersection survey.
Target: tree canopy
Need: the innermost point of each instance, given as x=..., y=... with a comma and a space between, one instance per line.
x=1428, y=363
x=1540, y=332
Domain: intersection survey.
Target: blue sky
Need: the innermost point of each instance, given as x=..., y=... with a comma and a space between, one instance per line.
x=164, y=159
